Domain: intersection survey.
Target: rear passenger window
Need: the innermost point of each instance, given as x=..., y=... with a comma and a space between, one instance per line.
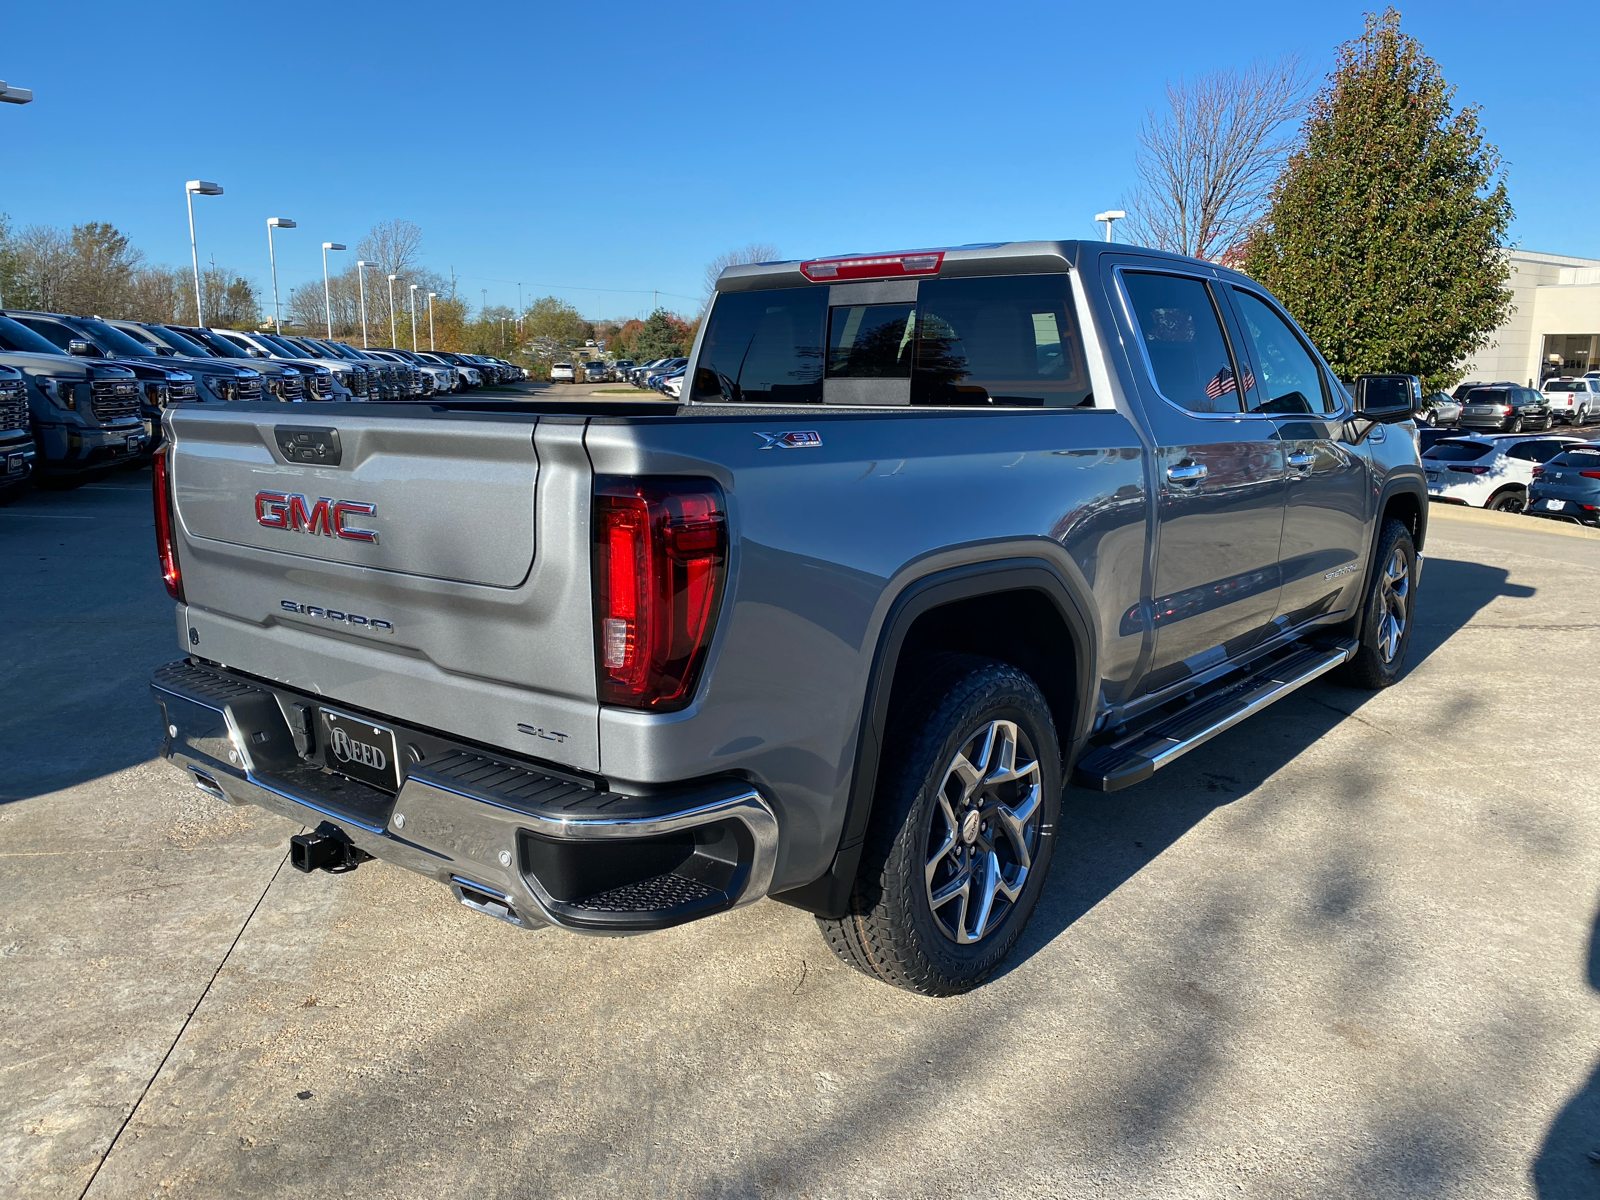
x=1291, y=382
x=764, y=347
x=1182, y=336
x=1008, y=340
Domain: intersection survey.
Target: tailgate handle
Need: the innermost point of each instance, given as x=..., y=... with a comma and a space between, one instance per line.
x=308, y=444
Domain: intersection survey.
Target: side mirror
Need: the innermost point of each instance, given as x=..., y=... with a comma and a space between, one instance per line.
x=164, y=351
x=254, y=353
x=1387, y=399
x=82, y=349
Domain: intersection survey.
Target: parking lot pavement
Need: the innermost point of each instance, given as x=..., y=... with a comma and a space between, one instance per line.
x=1346, y=949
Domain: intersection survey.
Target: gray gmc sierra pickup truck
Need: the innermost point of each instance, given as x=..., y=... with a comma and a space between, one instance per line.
x=930, y=534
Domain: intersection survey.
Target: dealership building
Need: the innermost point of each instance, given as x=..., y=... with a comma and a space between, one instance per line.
x=1555, y=328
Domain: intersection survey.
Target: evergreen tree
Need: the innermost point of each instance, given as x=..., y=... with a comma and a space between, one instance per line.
x=1385, y=234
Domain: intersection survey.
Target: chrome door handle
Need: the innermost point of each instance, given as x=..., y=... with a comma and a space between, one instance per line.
x=1300, y=459
x=1187, y=473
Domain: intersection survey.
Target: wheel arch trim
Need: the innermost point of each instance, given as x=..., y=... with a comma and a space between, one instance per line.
x=923, y=593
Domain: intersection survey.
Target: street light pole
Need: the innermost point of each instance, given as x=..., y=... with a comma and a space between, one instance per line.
x=392, y=338
x=411, y=301
x=275, y=223
x=189, y=190
x=431, y=295
x=1115, y=214
x=327, y=302
x=361, y=275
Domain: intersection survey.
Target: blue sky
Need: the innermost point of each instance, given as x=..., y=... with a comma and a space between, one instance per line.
x=601, y=152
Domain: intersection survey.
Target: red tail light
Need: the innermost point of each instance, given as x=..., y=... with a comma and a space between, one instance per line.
x=1537, y=470
x=660, y=558
x=1472, y=470
x=876, y=266
x=166, y=532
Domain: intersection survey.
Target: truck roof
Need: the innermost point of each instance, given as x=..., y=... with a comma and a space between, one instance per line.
x=978, y=258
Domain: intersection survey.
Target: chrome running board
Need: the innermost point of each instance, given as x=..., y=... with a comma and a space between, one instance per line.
x=1139, y=755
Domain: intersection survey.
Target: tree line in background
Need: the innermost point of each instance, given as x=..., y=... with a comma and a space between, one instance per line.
x=93, y=269
x=1380, y=221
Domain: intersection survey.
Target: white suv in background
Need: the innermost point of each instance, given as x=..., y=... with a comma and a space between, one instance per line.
x=563, y=373
x=1571, y=400
x=1489, y=471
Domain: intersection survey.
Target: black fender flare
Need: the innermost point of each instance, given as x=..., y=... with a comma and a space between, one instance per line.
x=828, y=895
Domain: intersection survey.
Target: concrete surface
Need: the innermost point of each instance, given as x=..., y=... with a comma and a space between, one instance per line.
x=1347, y=949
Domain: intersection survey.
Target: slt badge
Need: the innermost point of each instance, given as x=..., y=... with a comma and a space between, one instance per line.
x=795, y=439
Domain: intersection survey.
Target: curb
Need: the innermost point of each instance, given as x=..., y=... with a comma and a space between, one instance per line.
x=1480, y=516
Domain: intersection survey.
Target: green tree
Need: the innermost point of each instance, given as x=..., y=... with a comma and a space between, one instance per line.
x=553, y=322
x=664, y=335
x=1385, y=233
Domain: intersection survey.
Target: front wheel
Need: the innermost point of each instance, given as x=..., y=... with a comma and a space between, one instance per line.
x=1431, y=420
x=1387, y=618
x=962, y=831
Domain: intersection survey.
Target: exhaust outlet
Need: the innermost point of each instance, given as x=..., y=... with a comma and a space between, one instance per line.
x=207, y=784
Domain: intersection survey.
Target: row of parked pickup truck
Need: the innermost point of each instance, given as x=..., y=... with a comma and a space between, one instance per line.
x=81, y=395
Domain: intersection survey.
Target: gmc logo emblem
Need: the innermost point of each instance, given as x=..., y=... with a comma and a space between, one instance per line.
x=278, y=510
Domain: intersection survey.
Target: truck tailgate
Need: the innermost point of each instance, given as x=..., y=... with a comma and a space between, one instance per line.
x=437, y=573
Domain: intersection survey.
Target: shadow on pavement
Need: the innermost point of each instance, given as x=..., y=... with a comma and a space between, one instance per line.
x=86, y=620
x=1452, y=593
x=1568, y=1166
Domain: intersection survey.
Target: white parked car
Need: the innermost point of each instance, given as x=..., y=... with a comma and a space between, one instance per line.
x=1571, y=400
x=562, y=373
x=673, y=387
x=1489, y=471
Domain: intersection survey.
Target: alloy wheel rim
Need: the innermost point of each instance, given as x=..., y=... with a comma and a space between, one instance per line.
x=1394, y=591
x=983, y=834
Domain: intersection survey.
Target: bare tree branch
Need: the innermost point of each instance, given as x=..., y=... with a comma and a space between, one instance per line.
x=1207, y=165
x=755, y=252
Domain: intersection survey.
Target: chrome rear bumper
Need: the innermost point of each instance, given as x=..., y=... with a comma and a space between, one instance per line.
x=518, y=841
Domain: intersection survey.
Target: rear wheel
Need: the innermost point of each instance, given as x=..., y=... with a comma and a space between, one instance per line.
x=1510, y=500
x=1515, y=426
x=1387, y=618
x=962, y=832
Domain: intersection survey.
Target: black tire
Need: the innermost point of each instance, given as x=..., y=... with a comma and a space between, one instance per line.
x=1508, y=500
x=1515, y=426
x=1431, y=420
x=1391, y=593
x=894, y=931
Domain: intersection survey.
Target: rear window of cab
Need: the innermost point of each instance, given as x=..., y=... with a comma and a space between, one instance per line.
x=1000, y=341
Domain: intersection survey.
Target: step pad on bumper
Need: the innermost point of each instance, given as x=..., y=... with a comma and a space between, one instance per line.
x=554, y=849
